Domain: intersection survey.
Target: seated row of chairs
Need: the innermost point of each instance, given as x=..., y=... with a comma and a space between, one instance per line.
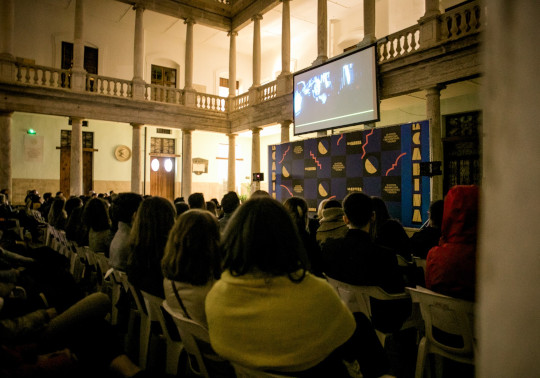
x=447, y=323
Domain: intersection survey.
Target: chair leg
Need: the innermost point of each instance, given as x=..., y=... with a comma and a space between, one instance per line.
x=174, y=349
x=421, y=358
x=144, y=340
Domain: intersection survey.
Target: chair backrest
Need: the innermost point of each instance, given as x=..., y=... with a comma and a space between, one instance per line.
x=357, y=297
x=248, y=372
x=196, y=341
x=154, y=307
x=450, y=315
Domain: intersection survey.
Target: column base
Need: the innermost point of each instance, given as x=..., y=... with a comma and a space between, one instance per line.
x=190, y=97
x=78, y=80
x=284, y=83
x=138, y=89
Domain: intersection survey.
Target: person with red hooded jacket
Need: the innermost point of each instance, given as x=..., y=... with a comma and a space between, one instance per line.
x=451, y=266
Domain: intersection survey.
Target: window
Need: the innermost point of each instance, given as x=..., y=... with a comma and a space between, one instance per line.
x=163, y=76
x=162, y=146
x=224, y=87
x=90, y=58
x=87, y=139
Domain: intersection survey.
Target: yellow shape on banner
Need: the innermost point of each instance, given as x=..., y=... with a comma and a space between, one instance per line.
x=416, y=138
x=416, y=169
x=417, y=217
x=273, y=165
x=274, y=155
x=416, y=185
x=285, y=172
x=417, y=200
x=370, y=167
x=322, y=190
x=322, y=149
x=416, y=154
x=273, y=175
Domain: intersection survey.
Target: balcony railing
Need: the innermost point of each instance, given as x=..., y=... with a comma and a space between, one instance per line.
x=268, y=91
x=240, y=102
x=43, y=76
x=108, y=86
x=461, y=21
x=211, y=102
x=161, y=93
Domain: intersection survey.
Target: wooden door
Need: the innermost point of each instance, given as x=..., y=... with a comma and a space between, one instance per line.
x=162, y=174
x=65, y=165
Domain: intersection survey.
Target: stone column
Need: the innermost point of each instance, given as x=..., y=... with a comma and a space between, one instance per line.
x=138, y=55
x=433, y=112
x=506, y=317
x=232, y=63
x=284, y=80
x=255, y=156
x=256, y=50
x=7, y=32
x=5, y=152
x=285, y=130
x=231, y=180
x=76, y=158
x=137, y=148
x=189, y=53
x=186, y=163
x=430, y=24
x=78, y=73
x=369, y=23
x=322, y=32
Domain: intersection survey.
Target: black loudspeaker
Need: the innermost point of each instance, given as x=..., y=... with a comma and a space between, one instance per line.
x=430, y=168
x=259, y=176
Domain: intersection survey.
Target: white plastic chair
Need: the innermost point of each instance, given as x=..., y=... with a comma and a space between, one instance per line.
x=450, y=315
x=174, y=345
x=196, y=343
x=357, y=299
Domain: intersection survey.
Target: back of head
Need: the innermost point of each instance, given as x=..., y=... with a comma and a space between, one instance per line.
x=259, y=193
x=230, y=202
x=321, y=208
x=381, y=211
x=196, y=201
x=181, y=207
x=72, y=203
x=358, y=208
x=96, y=215
x=460, y=218
x=436, y=211
x=124, y=206
x=262, y=238
x=298, y=209
x=2, y=199
x=192, y=253
x=332, y=204
x=211, y=207
x=155, y=218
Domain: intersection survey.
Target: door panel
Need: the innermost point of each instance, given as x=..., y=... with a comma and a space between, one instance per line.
x=162, y=175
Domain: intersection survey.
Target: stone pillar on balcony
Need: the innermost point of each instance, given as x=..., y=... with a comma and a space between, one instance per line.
x=285, y=130
x=7, y=30
x=231, y=179
x=5, y=151
x=322, y=32
x=433, y=112
x=430, y=30
x=255, y=157
x=254, y=90
x=78, y=73
x=76, y=158
x=186, y=163
x=190, y=95
x=284, y=83
x=137, y=147
x=369, y=24
x=138, y=55
x=232, y=63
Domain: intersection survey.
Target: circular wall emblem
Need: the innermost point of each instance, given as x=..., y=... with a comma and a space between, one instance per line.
x=122, y=153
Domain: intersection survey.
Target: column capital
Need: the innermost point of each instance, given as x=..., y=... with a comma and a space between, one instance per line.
x=138, y=7
x=136, y=125
x=187, y=131
x=232, y=135
x=6, y=113
x=189, y=21
x=232, y=33
x=256, y=130
x=257, y=17
x=434, y=90
x=76, y=119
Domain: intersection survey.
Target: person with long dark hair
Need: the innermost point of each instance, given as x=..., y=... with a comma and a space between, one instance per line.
x=192, y=263
x=96, y=218
x=148, y=237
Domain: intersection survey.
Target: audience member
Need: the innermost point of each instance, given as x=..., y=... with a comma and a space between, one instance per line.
x=192, y=263
x=196, y=201
x=229, y=204
x=259, y=193
x=123, y=210
x=148, y=237
x=181, y=207
x=96, y=218
x=71, y=204
x=57, y=214
x=266, y=311
x=46, y=206
x=388, y=231
x=298, y=209
x=357, y=260
x=428, y=236
x=451, y=266
x=332, y=225
x=211, y=207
